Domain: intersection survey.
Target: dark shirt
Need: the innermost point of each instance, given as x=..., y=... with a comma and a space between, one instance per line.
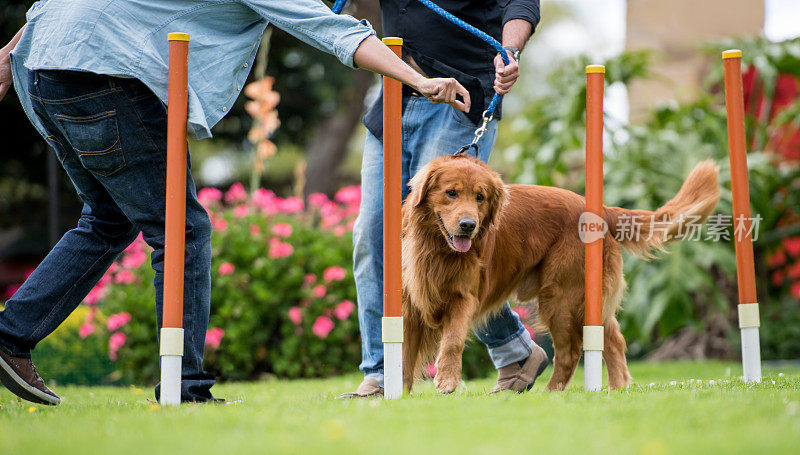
x=442, y=49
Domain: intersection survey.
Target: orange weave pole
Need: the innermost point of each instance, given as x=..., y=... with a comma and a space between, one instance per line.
x=174, y=243
x=734, y=103
x=594, y=192
x=392, y=187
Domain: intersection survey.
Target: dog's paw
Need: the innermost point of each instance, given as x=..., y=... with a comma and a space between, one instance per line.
x=446, y=383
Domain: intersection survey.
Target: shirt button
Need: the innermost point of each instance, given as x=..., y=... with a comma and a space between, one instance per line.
x=403, y=11
x=224, y=108
x=244, y=65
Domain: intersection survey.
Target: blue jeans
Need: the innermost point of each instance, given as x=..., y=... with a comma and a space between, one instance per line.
x=429, y=130
x=110, y=136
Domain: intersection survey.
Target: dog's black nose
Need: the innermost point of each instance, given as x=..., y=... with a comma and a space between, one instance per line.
x=467, y=225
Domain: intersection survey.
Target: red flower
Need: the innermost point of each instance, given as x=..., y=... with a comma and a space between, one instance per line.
x=795, y=289
x=208, y=195
x=776, y=259
x=115, y=342
x=86, y=330
x=255, y=229
x=792, y=245
x=124, y=277
x=241, y=211
x=317, y=199
x=278, y=249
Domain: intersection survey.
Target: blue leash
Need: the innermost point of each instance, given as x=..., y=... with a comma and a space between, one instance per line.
x=488, y=114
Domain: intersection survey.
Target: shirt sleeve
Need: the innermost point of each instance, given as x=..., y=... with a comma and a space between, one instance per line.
x=521, y=9
x=314, y=23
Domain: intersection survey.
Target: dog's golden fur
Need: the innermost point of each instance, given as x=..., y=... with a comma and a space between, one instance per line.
x=526, y=247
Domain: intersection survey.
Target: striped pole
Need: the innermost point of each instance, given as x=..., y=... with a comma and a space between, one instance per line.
x=171, y=349
x=392, y=322
x=593, y=266
x=749, y=320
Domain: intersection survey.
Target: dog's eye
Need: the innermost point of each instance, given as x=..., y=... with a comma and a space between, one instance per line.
x=452, y=193
x=479, y=197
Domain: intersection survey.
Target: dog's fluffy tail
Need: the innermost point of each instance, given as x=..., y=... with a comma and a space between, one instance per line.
x=644, y=233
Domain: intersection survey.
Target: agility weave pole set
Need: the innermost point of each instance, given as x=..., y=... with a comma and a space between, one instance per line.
x=745, y=267
x=171, y=336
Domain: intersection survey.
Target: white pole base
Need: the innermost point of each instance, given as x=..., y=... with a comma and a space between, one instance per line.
x=592, y=370
x=751, y=354
x=171, y=380
x=392, y=370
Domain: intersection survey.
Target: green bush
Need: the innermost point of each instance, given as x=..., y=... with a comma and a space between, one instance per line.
x=693, y=288
x=282, y=294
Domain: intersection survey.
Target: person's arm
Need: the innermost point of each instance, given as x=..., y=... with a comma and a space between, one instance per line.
x=6, y=80
x=372, y=55
x=520, y=18
x=354, y=43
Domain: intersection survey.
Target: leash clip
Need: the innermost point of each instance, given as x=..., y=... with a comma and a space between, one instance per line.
x=478, y=135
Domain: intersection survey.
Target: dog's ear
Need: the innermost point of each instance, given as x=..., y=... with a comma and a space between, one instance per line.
x=421, y=183
x=498, y=198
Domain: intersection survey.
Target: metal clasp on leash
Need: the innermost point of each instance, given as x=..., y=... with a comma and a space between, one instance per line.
x=478, y=135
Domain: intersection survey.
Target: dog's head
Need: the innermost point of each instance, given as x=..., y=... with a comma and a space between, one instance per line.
x=463, y=196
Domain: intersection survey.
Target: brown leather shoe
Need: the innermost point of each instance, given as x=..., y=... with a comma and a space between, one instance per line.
x=19, y=375
x=520, y=378
x=369, y=388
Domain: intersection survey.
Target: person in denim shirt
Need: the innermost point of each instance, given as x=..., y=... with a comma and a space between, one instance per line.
x=92, y=79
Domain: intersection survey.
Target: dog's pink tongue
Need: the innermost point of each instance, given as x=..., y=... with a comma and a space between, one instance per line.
x=462, y=243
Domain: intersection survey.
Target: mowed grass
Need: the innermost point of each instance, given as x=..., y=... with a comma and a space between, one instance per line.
x=671, y=408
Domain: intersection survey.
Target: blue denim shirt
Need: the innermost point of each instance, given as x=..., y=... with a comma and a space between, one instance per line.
x=128, y=38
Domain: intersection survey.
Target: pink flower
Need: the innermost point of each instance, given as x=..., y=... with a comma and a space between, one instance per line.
x=214, y=337
x=339, y=231
x=319, y=291
x=291, y=205
x=118, y=321
x=295, y=315
x=94, y=296
x=794, y=270
x=344, y=309
x=351, y=224
x=116, y=341
x=330, y=221
x=530, y=330
x=124, y=277
x=219, y=224
x=309, y=279
x=431, y=370
x=11, y=290
x=282, y=229
x=236, y=193
x=792, y=245
x=523, y=312
x=134, y=259
x=349, y=195
x=206, y=196
x=334, y=273
x=278, y=249
x=86, y=330
x=322, y=327
x=264, y=199
x=226, y=268
x=241, y=211
x=317, y=199
x=136, y=245
x=255, y=229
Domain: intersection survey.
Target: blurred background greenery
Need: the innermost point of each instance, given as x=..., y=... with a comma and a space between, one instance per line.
x=664, y=113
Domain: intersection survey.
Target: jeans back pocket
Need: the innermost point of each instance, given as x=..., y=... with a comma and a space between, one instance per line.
x=95, y=139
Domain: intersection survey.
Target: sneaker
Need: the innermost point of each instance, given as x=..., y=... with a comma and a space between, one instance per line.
x=520, y=376
x=369, y=388
x=19, y=375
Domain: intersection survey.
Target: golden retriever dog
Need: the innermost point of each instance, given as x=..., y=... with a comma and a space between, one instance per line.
x=471, y=242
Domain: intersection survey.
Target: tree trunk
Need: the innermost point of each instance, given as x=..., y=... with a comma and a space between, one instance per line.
x=329, y=144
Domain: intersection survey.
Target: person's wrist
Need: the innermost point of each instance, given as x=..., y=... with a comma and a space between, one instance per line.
x=513, y=51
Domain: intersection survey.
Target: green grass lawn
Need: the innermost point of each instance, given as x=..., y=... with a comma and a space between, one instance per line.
x=680, y=407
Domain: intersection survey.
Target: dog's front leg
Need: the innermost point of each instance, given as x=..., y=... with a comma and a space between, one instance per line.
x=455, y=327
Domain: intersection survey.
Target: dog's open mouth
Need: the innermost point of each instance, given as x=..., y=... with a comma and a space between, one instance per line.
x=460, y=243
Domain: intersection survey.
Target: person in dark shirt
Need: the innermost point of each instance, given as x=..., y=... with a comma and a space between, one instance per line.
x=437, y=48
